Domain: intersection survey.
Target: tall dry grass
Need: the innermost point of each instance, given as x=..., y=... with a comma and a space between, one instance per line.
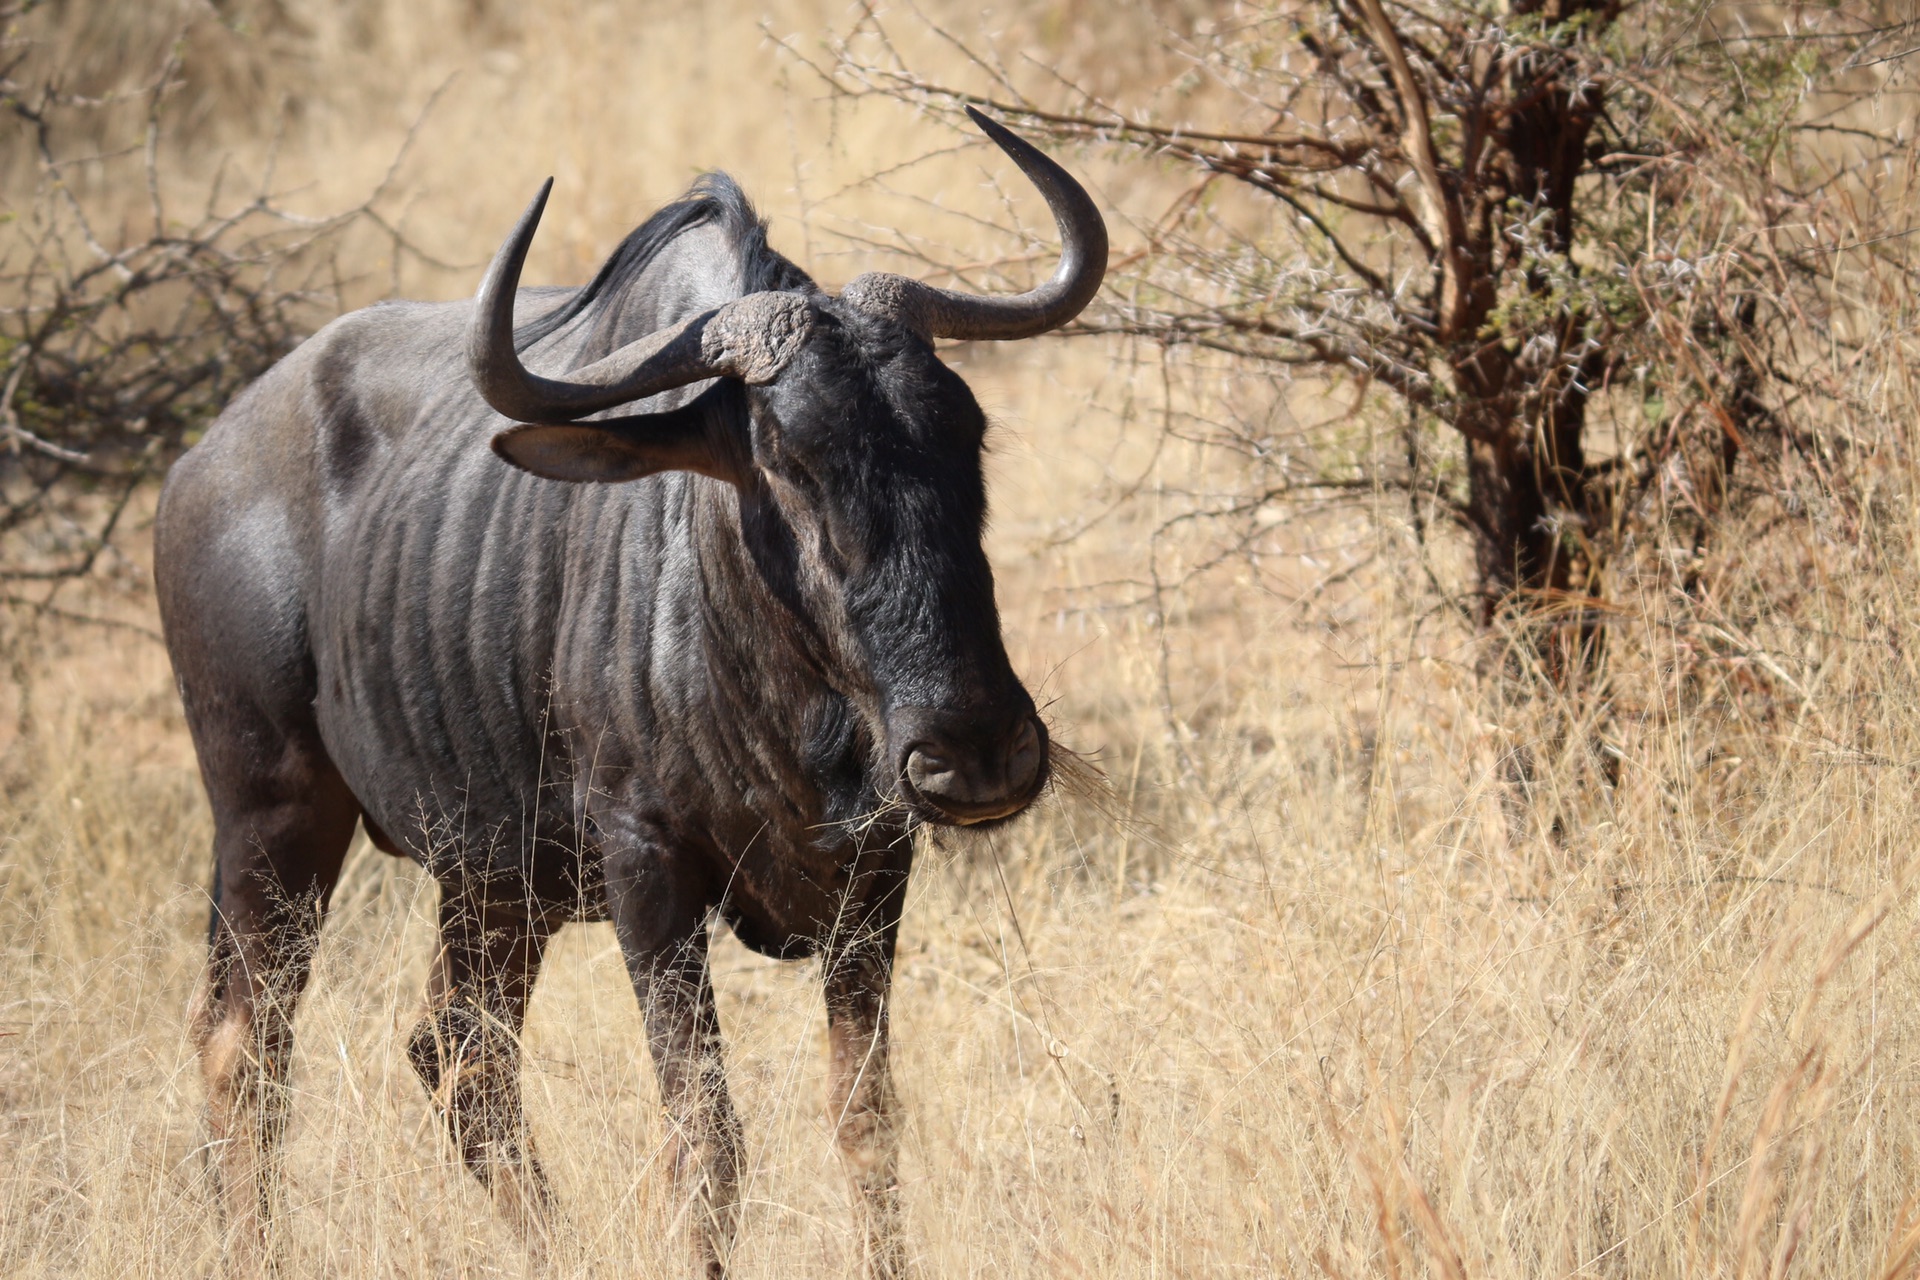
x=1302, y=994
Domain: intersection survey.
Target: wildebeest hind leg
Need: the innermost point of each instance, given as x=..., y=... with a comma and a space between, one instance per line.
x=281, y=831
x=467, y=1052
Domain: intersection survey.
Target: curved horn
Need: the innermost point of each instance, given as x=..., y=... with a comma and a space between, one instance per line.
x=941, y=313
x=750, y=338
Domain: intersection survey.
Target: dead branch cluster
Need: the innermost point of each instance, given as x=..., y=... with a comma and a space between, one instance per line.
x=1613, y=266
x=127, y=324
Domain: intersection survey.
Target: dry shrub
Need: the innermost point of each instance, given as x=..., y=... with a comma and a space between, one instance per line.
x=1575, y=276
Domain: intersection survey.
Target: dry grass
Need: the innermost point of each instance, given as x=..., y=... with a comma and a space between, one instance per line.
x=1300, y=996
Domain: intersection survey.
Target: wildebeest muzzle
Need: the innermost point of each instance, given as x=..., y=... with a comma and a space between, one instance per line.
x=967, y=770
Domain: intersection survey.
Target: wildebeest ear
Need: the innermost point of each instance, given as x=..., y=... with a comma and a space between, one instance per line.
x=609, y=452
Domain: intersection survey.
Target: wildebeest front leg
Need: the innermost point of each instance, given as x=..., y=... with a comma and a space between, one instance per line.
x=467, y=1052
x=659, y=905
x=858, y=976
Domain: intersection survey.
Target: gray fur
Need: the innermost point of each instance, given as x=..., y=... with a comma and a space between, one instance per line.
x=730, y=679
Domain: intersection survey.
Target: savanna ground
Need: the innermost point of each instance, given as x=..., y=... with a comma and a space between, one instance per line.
x=1303, y=993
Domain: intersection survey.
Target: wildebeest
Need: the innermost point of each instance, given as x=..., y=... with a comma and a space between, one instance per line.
x=716, y=656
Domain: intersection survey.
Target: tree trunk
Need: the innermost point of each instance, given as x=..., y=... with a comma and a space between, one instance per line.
x=1526, y=500
x=1526, y=394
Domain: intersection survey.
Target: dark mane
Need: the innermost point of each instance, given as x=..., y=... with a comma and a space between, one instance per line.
x=713, y=198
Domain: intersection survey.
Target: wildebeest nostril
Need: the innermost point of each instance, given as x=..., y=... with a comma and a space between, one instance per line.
x=931, y=774
x=1023, y=758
